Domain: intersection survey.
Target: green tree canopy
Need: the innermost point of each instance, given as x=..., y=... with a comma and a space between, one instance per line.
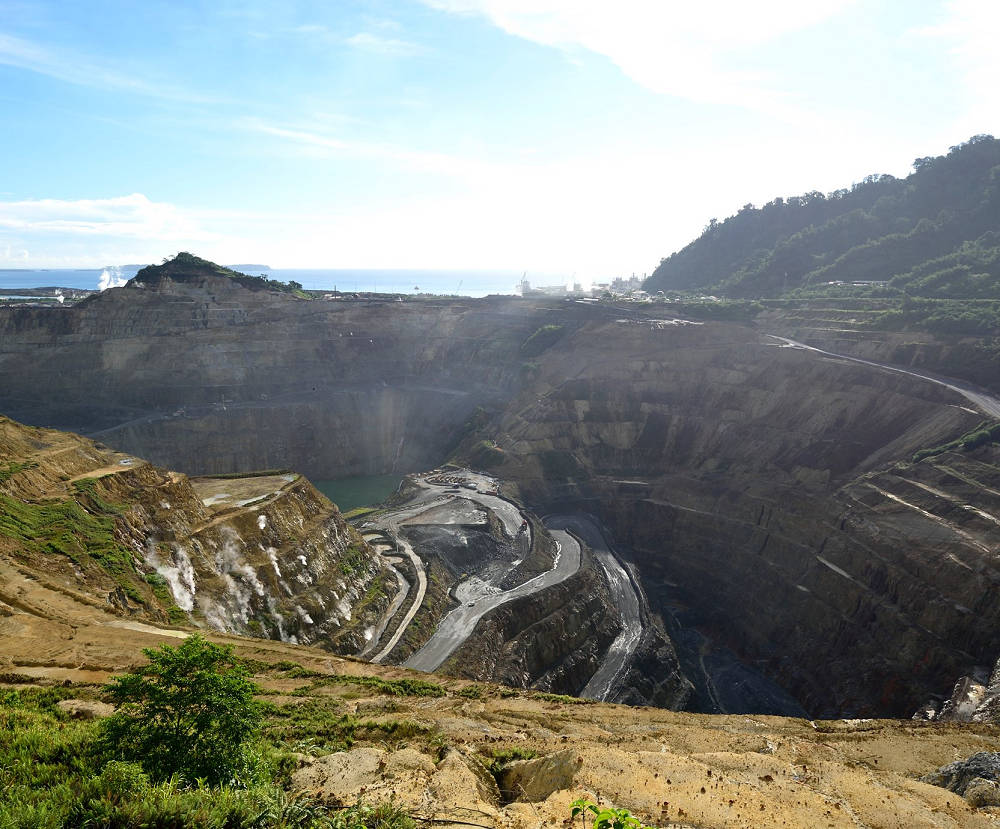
x=932, y=234
x=191, y=711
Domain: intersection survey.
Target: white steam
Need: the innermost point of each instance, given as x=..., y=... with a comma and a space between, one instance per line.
x=273, y=555
x=179, y=574
x=239, y=577
x=111, y=277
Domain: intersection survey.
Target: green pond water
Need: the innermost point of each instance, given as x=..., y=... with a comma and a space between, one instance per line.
x=359, y=491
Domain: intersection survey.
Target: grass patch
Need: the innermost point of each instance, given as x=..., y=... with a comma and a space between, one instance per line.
x=389, y=687
x=12, y=468
x=358, y=512
x=80, y=528
x=259, y=473
x=543, y=339
x=486, y=455
x=496, y=760
x=566, y=699
x=54, y=774
x=354, y=560
x=470, y=692
x=318, y=724
x=986, y=432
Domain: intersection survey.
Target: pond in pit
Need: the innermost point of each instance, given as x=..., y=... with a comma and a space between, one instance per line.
x=359, y=491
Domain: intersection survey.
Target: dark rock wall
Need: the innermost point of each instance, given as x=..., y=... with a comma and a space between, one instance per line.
x=211, y=377
x=742, y=475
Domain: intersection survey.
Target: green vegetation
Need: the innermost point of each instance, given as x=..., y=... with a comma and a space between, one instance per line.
x=189, y=712
x=986, y=432
x=13, y=467
x=544, y=338
x=185, y=267
x=389, y=687
x=563, y=698
x=941, y=316
x=80, y=529
x=486, y=455
x=357, y=512
x=354, y=560
x=730, y=310
x=382, y=816
x=932, y=234
x=317, y=724
x=56, y=771
x=605, y=817
x=259, y=473
x=500, y=758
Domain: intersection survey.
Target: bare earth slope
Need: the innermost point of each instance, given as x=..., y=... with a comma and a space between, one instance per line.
x=672, y=769
x=763, y=498
x=266, y=555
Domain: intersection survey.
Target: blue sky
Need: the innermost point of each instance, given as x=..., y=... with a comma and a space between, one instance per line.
x=565, y=136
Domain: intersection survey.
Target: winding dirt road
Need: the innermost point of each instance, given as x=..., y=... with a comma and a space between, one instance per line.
x=458, y=625
x=987, y=403
x=390, y=525
x=619, y=653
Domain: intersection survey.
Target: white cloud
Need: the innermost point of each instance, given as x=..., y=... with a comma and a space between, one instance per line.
x=54, y=233
x=133, y=216
x=83, y=70
x=686, y=50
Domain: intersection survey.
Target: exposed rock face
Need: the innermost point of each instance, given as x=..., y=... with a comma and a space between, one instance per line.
x=552, y=640
x=275, y=560
x=971, y=700
x=406, y=777
x=976, y=778
x=740, y=476
x=842, y=326
x=198, y=373
x=764, y=494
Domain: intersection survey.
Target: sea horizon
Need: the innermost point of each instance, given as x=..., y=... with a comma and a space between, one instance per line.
x=369, y=280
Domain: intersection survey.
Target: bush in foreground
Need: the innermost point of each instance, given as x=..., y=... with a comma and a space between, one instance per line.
x=190, y=712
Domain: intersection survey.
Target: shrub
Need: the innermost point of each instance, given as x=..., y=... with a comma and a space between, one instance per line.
x=190, y=711
x=605, y=817
x=382, y=816
x=543, y=339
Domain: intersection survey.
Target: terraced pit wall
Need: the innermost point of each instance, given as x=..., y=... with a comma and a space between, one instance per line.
x=737, y=474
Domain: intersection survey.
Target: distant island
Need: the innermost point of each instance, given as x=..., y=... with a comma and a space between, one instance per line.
x=247, y=268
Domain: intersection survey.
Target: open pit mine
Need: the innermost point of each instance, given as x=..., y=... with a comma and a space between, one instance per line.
x=597, y=501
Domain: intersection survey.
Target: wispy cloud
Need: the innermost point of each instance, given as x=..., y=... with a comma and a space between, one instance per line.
x=689, y=50
x=59, y=233
x=133, y=216
x=970, y=30
x=365, y=41
x=388, y=46
x=83, y=70
x=317, y=143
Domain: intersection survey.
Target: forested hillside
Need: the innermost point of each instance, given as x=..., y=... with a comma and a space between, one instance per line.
x=935, y=233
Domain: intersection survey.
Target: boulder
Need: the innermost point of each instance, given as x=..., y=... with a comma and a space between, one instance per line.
x=982, y=792
x=982, y=770
x=85, y=709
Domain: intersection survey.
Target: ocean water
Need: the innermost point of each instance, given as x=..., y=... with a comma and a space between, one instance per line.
x=462, y=283
x=81, y=279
